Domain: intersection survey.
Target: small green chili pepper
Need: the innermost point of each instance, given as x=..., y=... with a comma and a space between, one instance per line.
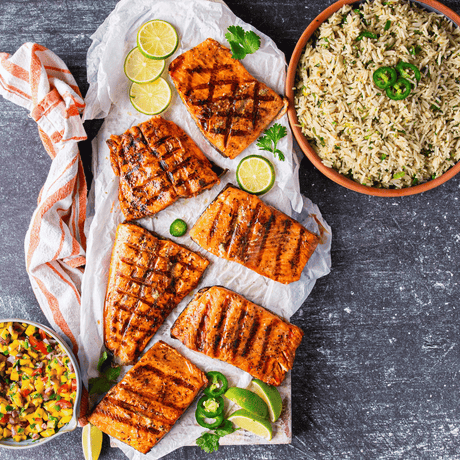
x=402, y=66
x=384, y=77
x=399, y=90
x=218, y=386
x=367, y=34
x=200, y=418
x=211, y=406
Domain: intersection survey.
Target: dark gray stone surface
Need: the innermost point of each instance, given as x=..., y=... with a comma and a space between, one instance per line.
x=377, y=372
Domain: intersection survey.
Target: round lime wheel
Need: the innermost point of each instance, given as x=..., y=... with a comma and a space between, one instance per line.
x=150, y=98
x=157, y=39
x=141, y=69
x=255, y=174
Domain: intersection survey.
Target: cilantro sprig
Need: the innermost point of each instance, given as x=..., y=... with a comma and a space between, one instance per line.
x=242, y=42
x=269, y=140
x=209, y=441
x=108, y=378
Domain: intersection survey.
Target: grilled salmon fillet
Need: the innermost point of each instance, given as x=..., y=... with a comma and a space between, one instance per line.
x=240, y=227
x=223, y=324
x=145, y=405
x=230, y=107
x=148, y=277
x=158, y=163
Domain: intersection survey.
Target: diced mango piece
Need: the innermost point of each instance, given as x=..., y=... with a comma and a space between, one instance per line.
x=47, y=433
x=30, y=329
x=14, y=375
x=6, y=433
x=64, y=420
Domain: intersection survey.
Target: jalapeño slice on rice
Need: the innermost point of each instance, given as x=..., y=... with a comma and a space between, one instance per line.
x=384, y=77
x=399, y=90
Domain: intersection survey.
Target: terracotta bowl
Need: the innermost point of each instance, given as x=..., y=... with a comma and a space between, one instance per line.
x=430, y=5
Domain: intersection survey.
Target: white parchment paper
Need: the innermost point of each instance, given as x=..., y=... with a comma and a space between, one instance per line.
x=194, y=20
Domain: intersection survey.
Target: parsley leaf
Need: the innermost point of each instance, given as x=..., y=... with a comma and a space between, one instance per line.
x=242, y=42
x=102, y=360
x=270, y=139
x=112, y=373
x=226, y=428
x=108, y=376
x=99, y=385
x=209, y=442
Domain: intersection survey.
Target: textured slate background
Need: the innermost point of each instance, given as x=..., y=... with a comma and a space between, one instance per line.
x=377, y=373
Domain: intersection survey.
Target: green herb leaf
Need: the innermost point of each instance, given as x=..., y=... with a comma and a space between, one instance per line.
x=387, y=25
x=102, y=360
x=112, y=373
x=399, y=175
x=99, y=385
x=269, y=140
x=225, y=429
x=209, y=442
x=242, y=42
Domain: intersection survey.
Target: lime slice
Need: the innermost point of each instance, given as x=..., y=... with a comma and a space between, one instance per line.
x=141, y=69
x=257, y=425
x=178, y=228
x=157, y=39
x=92, y=442
x=248, y=400
x=255, y=174
x=150, y=98
x=271, y=396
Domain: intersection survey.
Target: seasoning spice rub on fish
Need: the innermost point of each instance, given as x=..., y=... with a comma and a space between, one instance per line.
x=223, y=324
x=230, y=107
x=145, y=405
x=158, y=163
x=240, y=227
x=148, y=277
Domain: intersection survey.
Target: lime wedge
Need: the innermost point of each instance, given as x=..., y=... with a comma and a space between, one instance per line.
x=157, y=39
x=150, y=98
x=257, y=425
x=92, y=442
x=255, y=174
x=141, y=69
x=271, y=396
x=248, y=400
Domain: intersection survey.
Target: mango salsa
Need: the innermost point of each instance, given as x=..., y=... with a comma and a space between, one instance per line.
x=39, y=395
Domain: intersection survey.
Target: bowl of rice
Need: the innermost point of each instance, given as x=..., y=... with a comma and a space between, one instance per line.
x=374, y=95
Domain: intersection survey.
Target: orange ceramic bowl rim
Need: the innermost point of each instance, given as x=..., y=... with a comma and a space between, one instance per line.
x=302, y=140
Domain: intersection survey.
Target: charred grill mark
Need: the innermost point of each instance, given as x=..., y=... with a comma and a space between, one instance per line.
x=267, y=228
x=215, y=222
x=255, y=107
x=168, y=380
x=266, y=336
x=201, y=332
x=282, y=240
x=232, y=227
x=125, y=420
x=296, y=257
x=245, y=239
x=239, y=332
x=228, y=125
x=251, y=336
x=223, y=315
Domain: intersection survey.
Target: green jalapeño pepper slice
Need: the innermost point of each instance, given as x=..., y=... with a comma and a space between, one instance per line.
x=399, y=90
x=201, y=419
x=402, y=67
x=384, y=77
x=211, y=406
x=218, y=386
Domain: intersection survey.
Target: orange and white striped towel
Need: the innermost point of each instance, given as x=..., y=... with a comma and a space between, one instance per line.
x=35, y=78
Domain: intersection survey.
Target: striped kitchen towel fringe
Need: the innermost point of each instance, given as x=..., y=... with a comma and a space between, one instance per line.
x=35, y=78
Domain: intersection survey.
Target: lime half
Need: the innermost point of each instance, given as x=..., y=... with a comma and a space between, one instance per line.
x=248, y=400
x=255, y=174
x=91, y=441
x=157, y=39
x=257, y=425
x=141, y=69
x=271, y=396
x=150, y=98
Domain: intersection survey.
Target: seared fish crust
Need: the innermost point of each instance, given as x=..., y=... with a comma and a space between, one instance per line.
x=145, y=405
x=158, y=163
x=148, y=277
x=230, y=107
x=223, y=324
x=240, y=227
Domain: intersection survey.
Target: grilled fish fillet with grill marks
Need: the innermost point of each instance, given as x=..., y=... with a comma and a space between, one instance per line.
x=223, y=324
x=240, y=227
x=148, y=277
x=145, y=405
x=230, y=107
x=158, y=163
